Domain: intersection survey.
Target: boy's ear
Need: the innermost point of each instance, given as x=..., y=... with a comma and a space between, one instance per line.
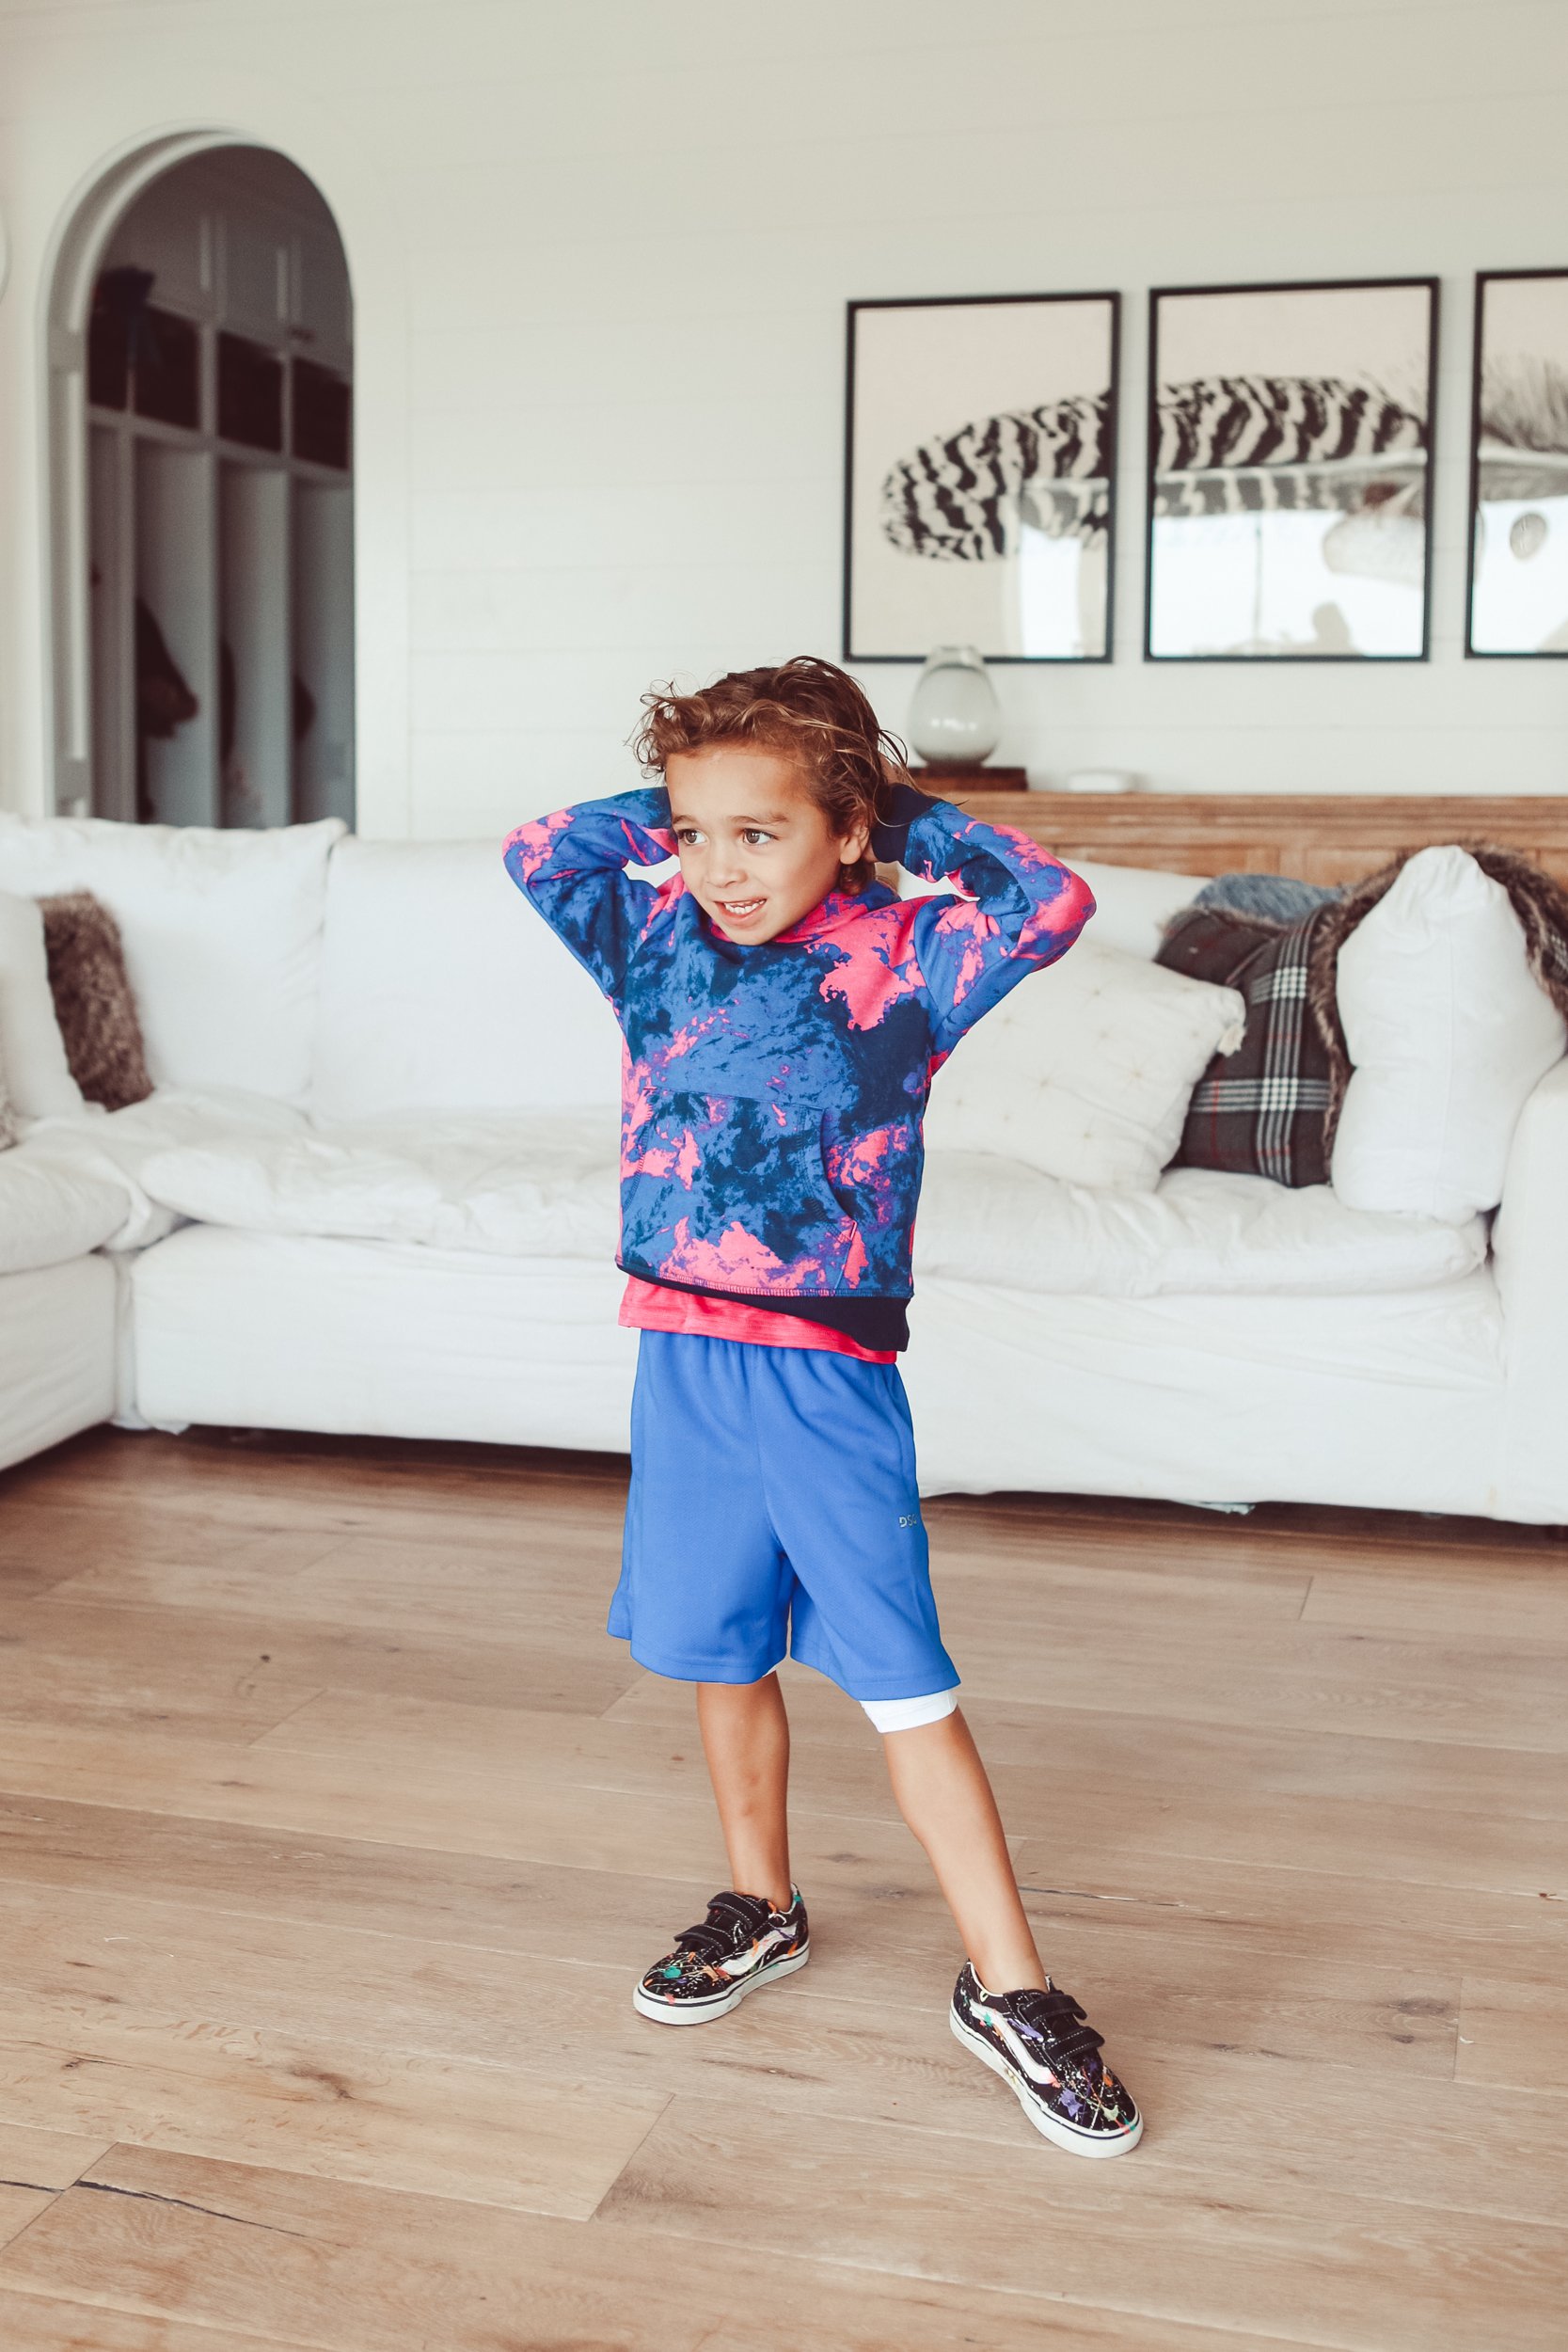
x=855, y=843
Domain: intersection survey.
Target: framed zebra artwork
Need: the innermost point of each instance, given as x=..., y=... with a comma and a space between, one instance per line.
x=1290, y=447
x=979, y=476
x=1518, y=570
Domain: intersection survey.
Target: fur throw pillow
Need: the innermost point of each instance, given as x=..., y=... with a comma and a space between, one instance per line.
x=1275, y=896
x=93, y=1003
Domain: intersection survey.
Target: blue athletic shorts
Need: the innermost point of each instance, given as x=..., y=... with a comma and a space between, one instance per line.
x=773, y=1510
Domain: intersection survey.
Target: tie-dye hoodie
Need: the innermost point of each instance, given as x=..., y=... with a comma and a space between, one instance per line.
x=772, y=1096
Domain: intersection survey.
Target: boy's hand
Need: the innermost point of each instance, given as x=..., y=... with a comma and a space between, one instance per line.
x=906, y=803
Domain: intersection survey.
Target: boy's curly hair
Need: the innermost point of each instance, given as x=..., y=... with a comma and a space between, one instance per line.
x=809, y=710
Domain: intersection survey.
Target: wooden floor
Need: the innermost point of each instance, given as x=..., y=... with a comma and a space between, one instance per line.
x=333, y=1828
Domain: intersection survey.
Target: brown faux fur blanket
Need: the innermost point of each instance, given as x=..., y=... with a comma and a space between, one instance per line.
x=1539, y=903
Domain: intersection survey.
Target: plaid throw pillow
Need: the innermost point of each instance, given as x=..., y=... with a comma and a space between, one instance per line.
x=1260, y=1111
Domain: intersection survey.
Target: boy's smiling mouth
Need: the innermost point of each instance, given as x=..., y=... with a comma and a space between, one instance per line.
x=741, y=910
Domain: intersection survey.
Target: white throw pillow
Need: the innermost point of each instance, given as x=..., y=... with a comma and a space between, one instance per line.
x=1449, y=1033
x=1132, y=903
x=221, y=929
x=49, y=1214
x=1086, y=1068
x=32, y=1051
x=443, y=990
x=114, y=1147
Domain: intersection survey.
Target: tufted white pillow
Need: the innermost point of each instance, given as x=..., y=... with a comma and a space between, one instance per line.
x=32, y=1051
x=222, y=932
x=1450, y=1032
x=1086, y=1070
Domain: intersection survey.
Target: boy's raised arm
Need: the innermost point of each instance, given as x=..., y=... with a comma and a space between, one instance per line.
x=573, y=867
x=1025, y=908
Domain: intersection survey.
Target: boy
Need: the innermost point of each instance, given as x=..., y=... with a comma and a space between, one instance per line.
x=783, y=1013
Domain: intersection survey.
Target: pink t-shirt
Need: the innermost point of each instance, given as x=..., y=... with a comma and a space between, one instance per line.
x=653, y=1306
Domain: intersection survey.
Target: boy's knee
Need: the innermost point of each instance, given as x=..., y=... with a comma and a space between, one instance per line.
x=909, y=1714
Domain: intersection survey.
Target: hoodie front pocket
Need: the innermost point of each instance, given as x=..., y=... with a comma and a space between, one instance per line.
x=729, y=1193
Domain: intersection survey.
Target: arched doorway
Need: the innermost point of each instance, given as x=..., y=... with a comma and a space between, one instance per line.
x=203, y=497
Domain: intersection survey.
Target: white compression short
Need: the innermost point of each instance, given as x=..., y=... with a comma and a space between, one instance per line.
x=907, y=1714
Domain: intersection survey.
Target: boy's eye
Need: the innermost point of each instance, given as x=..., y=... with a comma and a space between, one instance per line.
x=752, y=834
x=688, y=834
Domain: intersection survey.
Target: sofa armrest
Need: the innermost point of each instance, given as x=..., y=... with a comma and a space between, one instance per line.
x=1530, y=1243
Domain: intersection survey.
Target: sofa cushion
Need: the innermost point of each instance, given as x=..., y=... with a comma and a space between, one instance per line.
x=441, y=989
x=544, y=1187
x=1086, y=1070
x=49, y=1213
x=57, y=1358
x=111, y=1148
x=1449, y=1032
x=988, y=1220
x=222, y=934
x=528, y=1185
x=32, y=1050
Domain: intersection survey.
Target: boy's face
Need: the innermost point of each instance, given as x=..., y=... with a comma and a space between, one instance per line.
x=756, y=853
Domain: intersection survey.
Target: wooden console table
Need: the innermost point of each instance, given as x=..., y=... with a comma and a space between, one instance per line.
x=1318, y=837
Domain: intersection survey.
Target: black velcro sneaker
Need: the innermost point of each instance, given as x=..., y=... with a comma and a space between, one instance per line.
x=741, y=1944
x=1048, y=2054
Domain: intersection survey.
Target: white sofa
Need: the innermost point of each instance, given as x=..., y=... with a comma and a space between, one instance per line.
x=376, y=1192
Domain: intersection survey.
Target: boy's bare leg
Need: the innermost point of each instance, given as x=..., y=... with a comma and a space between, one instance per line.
x=947, y=1798
x=746, y=1741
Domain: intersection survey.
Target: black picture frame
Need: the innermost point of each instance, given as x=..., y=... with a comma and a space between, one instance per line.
x=854, y=310
x=1161, y=295
x=1486, y=278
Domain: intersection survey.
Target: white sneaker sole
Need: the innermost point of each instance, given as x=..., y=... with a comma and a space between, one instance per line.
x=698, y=2012
x=1062, y=2135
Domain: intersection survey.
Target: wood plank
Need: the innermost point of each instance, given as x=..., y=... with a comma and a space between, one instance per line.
x=1260, y=1677
x=1517, y=1609
x=1318, y=837
x=101, y=1663
x=35, y=2166
x=1436, y=1844
x=112, y=1979
x=1357, y=2272
x=657, y=1827
x=343, y=2269
x=39, y=2323
x=1333, y=1678
x=1101, y=1746
x=863, y=1908
x=57, y=2325
x=1513, y=2032
x=341, y=2053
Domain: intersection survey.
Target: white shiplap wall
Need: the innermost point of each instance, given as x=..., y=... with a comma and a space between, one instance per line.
x=601, y=255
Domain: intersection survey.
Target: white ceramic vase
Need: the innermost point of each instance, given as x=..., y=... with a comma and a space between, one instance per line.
x=955, y=717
